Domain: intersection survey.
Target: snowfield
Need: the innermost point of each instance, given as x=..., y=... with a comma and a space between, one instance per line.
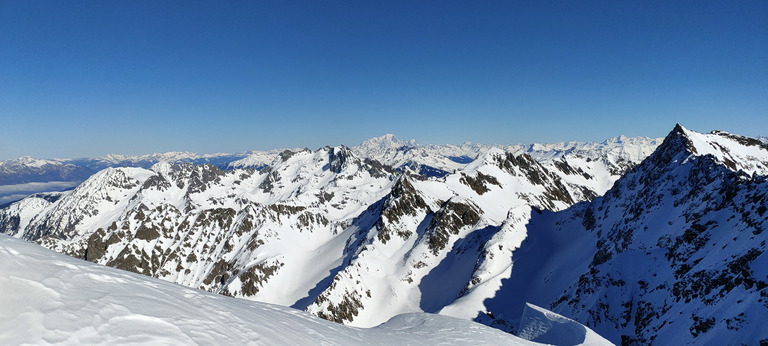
x=48, y=297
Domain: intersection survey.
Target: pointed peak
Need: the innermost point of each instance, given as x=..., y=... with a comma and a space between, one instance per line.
x=340, y=157
x=678, y=141
x=735, y=152
x=679, y=131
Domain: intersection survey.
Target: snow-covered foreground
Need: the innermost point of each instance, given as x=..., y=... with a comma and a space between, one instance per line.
x=48, y=297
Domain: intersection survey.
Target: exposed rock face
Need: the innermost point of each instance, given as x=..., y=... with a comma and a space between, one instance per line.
x=679, y=235
x=357, y=241
x=403, y=201
x=449, y=220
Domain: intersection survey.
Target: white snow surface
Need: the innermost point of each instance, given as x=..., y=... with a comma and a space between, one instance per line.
x=28, y=161
x=541, y=325
x=731, y=150
x=387, y=141
x=255, y=159
x=49, y=298
x=633, y=149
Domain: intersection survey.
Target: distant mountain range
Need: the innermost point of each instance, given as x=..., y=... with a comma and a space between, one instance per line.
x=642, y=240
x=26, y=175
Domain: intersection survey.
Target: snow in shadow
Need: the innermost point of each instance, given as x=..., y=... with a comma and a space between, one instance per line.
x=321, y=286
x=445, y=282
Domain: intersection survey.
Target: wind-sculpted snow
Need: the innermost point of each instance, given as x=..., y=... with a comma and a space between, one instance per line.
x=540, y=325
x=50, y=298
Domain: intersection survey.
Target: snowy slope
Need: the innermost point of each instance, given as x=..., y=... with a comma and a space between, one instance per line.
x=352, y=240
x=285, y=233
x=51, y=298
x=256, y=159
x=672, y=254
x=591, y=167
x=398, y=262
x=541, y=325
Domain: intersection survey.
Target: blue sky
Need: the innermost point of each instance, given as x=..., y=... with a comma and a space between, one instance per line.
x=87, y=78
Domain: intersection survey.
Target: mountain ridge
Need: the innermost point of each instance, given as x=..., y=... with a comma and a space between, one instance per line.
x=26, y=176
x=357, y=241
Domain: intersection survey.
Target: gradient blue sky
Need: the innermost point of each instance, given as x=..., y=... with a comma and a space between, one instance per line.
x=87, y=78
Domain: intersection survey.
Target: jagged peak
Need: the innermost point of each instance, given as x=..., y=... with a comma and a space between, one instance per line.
x=286, y=154
x=733, y=151
x=339, y=157
x=338, y=148
x=495, y=155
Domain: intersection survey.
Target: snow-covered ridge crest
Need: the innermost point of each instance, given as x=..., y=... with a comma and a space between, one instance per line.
x=679, y=240
x=633, y=149
x=30, y=161
x=734, y=151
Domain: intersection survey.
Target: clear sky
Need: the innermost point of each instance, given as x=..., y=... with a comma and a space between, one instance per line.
x=87, y=78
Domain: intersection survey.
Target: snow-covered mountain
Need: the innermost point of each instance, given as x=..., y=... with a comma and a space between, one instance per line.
x=255, y=234
x=592, y=165
x=426, y=160
x=672, y=253
x=25, y=176
x=51, y=298
x=284, y=233
x=571, y=227
x=30, y=170
x=221, y=160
